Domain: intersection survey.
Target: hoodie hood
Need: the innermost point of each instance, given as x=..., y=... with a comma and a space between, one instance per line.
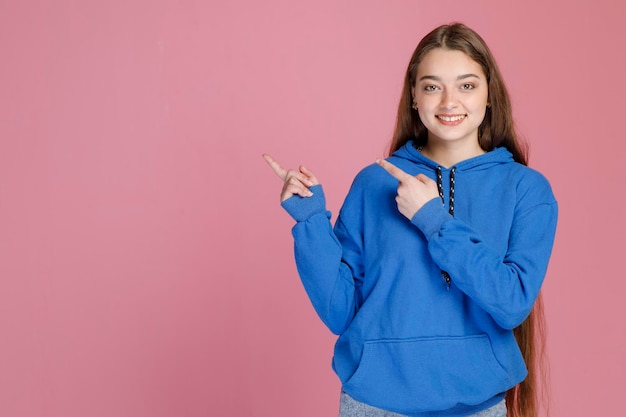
x=485, y=161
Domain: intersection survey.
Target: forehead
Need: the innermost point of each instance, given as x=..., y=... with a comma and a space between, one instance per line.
x=448, y=64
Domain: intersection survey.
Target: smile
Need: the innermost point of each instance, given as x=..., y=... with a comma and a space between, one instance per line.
x=451, y=118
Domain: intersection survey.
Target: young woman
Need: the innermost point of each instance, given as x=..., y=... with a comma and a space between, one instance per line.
x=439, y=252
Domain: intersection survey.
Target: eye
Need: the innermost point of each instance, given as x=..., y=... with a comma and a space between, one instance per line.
x=430, y=87
x=467, y=86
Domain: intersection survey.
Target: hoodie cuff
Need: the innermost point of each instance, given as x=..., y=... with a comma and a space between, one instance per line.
x=302, y=208
x=431, y=217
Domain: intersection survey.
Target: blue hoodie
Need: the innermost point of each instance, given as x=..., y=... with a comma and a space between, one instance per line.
x=414, y=339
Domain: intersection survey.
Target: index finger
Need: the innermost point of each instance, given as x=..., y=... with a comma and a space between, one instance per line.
x=280, y=171
x=395, y=172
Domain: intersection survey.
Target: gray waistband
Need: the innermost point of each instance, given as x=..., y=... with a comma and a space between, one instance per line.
x=349, y=407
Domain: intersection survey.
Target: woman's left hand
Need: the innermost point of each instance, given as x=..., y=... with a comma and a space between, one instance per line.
x=413, y=191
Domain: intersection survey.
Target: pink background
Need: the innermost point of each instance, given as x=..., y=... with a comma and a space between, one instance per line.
x=145, y=264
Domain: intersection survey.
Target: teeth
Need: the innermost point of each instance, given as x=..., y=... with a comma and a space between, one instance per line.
x=451, y=118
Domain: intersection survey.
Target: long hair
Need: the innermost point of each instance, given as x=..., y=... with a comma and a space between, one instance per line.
x=496, y=130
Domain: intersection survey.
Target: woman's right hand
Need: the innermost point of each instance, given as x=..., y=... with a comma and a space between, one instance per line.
x=295, y=182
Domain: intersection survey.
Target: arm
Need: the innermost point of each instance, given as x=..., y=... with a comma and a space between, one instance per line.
x=506, y=287
x=327, y=279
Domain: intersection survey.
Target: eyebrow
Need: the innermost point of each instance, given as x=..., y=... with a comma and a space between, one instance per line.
x=460, y=77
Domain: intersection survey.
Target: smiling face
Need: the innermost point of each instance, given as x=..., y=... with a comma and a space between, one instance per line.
x=451, y=94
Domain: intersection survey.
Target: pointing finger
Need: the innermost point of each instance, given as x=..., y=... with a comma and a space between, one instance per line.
x=423, y=178
x=280, y=171
x=395, y=172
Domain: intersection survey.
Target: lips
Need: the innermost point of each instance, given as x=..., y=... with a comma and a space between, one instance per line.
x=450, y=119
x=454, y=118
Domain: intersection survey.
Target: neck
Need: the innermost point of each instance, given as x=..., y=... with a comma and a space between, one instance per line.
x=450, y=154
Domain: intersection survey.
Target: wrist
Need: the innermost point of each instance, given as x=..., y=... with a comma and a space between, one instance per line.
x=302, y=208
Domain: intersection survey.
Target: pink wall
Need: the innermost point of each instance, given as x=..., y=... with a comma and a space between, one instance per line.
x=145, y=265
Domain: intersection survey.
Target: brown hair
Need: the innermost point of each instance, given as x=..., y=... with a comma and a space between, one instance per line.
x=496, y=130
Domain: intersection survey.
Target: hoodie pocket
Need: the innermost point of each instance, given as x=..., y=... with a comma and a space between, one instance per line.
x=427, y=374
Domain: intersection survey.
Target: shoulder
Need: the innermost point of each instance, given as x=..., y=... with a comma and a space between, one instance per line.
x=531, y=185
x=371, y=178
x=372, y=187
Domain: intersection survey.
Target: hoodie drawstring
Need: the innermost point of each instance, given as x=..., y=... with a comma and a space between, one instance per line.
x=444, y=274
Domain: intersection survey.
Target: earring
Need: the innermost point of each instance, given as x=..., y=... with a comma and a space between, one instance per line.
x=414, y=106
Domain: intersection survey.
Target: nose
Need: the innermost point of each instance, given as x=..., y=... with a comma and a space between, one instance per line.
x=448, y=99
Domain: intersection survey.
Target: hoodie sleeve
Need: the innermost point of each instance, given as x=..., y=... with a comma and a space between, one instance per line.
x=506, y=287
x=327, y=278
